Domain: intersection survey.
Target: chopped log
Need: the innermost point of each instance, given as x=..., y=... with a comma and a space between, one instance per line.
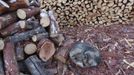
x=35, y=66
x=27, y=12
x=54, y=28
x=18, y=27
x=28, y=24
x=30, y=48
x=2, y=44
x=14, y=6
x=19, y=52
x=40, y=36
x=26, y=35
x=7, y=19
x=44, y=21
x=11, y=67
x=46, y=49
x=54, y=31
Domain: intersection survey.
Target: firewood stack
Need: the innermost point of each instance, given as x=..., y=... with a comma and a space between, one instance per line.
x=28, y=35
x=91, y=12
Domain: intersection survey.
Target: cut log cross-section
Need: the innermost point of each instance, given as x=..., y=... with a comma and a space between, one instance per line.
x=46, y=49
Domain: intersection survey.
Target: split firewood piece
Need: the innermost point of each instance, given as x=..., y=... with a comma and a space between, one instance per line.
x=19, y=52
x=2, y=44
x=7, y=19
x=14, y=6
x=4, y=4
x=26, y=35
x=30, y=48
x=11, y=66
x=35, y=66
x=27, y=12
x=34, y=3
x=55, y=34
x=44, y=21
x=1, y=65
x=46, y=49
x=40, y=36
x=54, y=28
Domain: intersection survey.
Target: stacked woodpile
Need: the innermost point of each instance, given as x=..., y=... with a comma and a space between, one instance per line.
x=91, y=12
x=29, y=37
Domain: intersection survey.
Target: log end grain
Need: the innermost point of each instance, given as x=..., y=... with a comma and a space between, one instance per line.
x=45, y=21
x=21, y=14
x=30, y=48
x=46, y=49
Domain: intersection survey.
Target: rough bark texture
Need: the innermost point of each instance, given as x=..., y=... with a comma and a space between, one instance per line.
x=7, y=19
x=40, y=36
x=14, y=6
x=11, y=67
x=19, y=51
x=35, y=66
x=26, y=35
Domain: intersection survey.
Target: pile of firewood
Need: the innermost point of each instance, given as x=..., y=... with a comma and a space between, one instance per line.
x=91, y=12
x=29, y=37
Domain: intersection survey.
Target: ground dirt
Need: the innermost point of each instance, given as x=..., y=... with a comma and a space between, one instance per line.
x=116, y=45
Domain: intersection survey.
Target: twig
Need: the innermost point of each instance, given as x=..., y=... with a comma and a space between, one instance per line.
x=111, y=71
x=124, y=73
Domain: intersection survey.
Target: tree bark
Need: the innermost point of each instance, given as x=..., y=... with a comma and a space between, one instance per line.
x=8, y=19
x=14, y=6
x=35, y=66
x=11, y=67
x=25, y=35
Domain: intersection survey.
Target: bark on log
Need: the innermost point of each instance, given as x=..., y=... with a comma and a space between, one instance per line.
x=54, y=28
x=26, y=35
x=14, y=6
x=11, y=67
x=27, y=12
x=35, y=66
x=7, y=19
x=19, y=52
x=40, y=36
x=18, y=27
x=46, y=49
